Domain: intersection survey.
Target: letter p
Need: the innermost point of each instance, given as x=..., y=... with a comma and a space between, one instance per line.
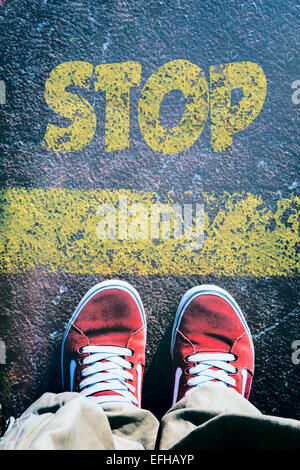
x=227, y=120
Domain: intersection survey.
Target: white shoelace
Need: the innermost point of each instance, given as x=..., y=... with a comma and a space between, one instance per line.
x=203, y=371
x=106, y=371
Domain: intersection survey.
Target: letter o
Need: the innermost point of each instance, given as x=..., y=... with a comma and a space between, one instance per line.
x=190, y=80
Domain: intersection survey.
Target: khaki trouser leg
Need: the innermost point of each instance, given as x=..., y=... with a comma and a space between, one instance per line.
x=69, y=421
x=217, y=417
x=212, y=417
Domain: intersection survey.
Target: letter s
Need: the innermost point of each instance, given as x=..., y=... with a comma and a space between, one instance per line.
x=71, y=106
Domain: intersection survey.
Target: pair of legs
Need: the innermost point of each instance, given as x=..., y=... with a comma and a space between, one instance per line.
x=102, y=364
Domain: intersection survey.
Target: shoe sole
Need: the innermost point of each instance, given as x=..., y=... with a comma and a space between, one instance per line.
x=100, y=287
x=207, y=289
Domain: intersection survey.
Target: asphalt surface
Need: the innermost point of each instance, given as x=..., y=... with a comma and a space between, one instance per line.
x=37, y=36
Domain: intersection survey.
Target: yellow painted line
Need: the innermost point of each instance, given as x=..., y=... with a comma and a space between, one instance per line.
x=55, y=229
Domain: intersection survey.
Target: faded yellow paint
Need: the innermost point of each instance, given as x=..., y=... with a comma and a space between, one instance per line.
x=55, y=229
x=189, y=79
x=71, y=106
x=116, y=80
x=226, y=119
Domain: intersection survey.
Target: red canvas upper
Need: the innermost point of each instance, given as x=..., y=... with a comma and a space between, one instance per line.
x=110, y=317
x=210, y=324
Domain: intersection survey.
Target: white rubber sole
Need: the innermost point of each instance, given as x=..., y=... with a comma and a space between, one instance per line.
x=206, y=289
x=100, y=287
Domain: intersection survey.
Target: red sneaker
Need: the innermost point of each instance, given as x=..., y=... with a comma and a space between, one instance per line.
x=103, y=349
x=211, y=341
